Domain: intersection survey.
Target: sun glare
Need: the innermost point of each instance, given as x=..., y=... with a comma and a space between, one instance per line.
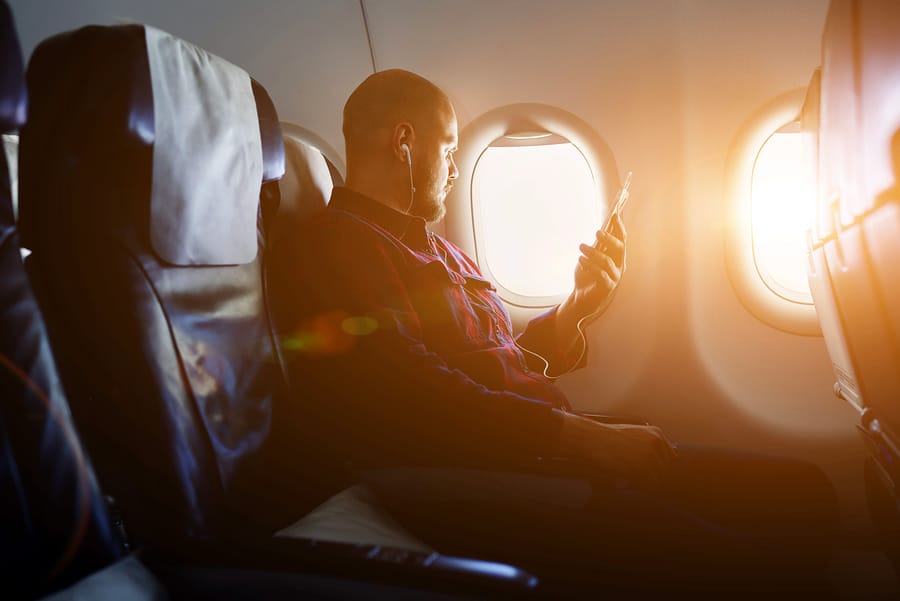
x=783, y=209
x=536, y=205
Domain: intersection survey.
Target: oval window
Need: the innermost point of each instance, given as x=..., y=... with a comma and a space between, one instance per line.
x=536, y=200
x=782, y=211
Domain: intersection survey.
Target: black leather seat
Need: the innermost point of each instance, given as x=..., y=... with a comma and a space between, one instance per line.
x=163, y=329
x=157, y=312
x=56, y=528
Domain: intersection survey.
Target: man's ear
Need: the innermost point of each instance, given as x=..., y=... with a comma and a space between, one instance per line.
x=404, y=133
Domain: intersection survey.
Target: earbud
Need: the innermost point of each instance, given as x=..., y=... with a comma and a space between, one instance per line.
x=412, y=187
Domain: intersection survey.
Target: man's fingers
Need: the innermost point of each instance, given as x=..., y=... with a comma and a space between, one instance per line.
x=599, y=273
x=597, y=254
x=609, y=241
x=616, y=227
x=597, y=263
x=608, y=244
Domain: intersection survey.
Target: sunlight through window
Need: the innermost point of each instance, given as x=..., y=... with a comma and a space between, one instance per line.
x=537, y=202
x=783, y=209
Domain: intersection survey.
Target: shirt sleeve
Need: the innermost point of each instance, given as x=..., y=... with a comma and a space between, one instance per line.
x=372, y=381
x=539, y=337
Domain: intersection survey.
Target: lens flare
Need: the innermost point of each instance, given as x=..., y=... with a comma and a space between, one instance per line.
x=330, y=333
x=359, y=326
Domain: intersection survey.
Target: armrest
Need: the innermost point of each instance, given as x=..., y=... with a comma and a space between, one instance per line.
x=366, y=563
x=604, y=418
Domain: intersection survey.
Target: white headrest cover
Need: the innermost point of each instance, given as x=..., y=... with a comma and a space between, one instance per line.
x=305, y=187
x=307, y=180
x=207, y=156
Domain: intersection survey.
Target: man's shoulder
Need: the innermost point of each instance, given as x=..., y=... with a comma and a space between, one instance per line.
x=332, y=220
x=334, y=226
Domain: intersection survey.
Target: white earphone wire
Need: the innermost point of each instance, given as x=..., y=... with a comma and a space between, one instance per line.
x=412, y=187
x=579, y=327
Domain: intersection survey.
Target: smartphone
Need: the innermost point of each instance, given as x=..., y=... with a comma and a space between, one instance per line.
x=617, y=207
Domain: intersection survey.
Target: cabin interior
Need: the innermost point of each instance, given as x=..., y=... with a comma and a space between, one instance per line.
x=705, y=338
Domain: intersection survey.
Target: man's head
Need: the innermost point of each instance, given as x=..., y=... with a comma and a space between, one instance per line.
x=390, y=109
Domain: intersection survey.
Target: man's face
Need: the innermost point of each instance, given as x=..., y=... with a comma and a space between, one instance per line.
x=433, y=167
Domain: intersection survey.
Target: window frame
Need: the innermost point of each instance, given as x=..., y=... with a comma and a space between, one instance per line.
x=747, y=281
x=462, y=223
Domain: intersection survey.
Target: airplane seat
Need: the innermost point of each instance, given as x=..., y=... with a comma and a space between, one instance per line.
x=855, y=252
x=146, y=167
x=156, y=285
x=141, y=170
x=353, y=514
x=304, y=189
x=56, y=525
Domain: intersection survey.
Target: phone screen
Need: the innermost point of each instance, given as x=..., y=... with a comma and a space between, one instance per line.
x=621, y=199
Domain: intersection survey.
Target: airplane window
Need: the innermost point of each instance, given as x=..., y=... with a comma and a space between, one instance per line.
x=770, y=206
x=783, y=209
x=536, y=197
x=534, y=183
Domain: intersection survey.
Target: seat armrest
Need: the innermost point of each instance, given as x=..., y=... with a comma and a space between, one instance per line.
x=367, y=563
x=604, y=418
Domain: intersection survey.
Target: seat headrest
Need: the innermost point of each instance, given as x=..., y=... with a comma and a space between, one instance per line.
x=270, y=132
x=13, y=98
x=305, y=187
x=207, y=156
x=12, y=112
x=133, y=114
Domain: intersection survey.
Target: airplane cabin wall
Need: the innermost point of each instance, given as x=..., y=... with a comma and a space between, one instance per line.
x=668, y=85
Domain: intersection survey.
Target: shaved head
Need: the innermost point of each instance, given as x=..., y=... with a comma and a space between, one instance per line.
x=401, y=132
x=385, y=99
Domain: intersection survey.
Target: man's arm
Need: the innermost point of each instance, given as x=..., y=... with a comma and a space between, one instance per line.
x=393, y=401
x=639, y=453
x=559, y=335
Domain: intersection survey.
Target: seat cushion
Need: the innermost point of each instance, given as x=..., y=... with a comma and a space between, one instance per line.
x=125, y=579
x=354, y=515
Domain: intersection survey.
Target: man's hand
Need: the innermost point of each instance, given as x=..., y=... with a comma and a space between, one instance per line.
x=641, y=454
x=599, y=269
x=597, y=276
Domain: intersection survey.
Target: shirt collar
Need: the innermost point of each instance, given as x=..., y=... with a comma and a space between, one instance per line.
x=410, y=230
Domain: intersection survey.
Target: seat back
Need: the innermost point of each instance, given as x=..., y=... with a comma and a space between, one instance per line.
x=142, y=169
x=55, y=525
x=304, y=189
x=855, y=255
x=855, y=252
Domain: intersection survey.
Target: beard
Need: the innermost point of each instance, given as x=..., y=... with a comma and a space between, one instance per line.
x=429, y=197
x=429, y=208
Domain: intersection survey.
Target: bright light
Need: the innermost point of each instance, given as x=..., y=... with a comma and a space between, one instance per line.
x=536, y=205
x=783, y=209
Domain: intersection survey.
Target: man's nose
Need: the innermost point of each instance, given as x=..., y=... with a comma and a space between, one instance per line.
x=454, y=172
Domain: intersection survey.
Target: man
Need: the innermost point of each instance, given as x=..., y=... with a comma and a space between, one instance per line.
x=407, y=354
x=437, y=323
